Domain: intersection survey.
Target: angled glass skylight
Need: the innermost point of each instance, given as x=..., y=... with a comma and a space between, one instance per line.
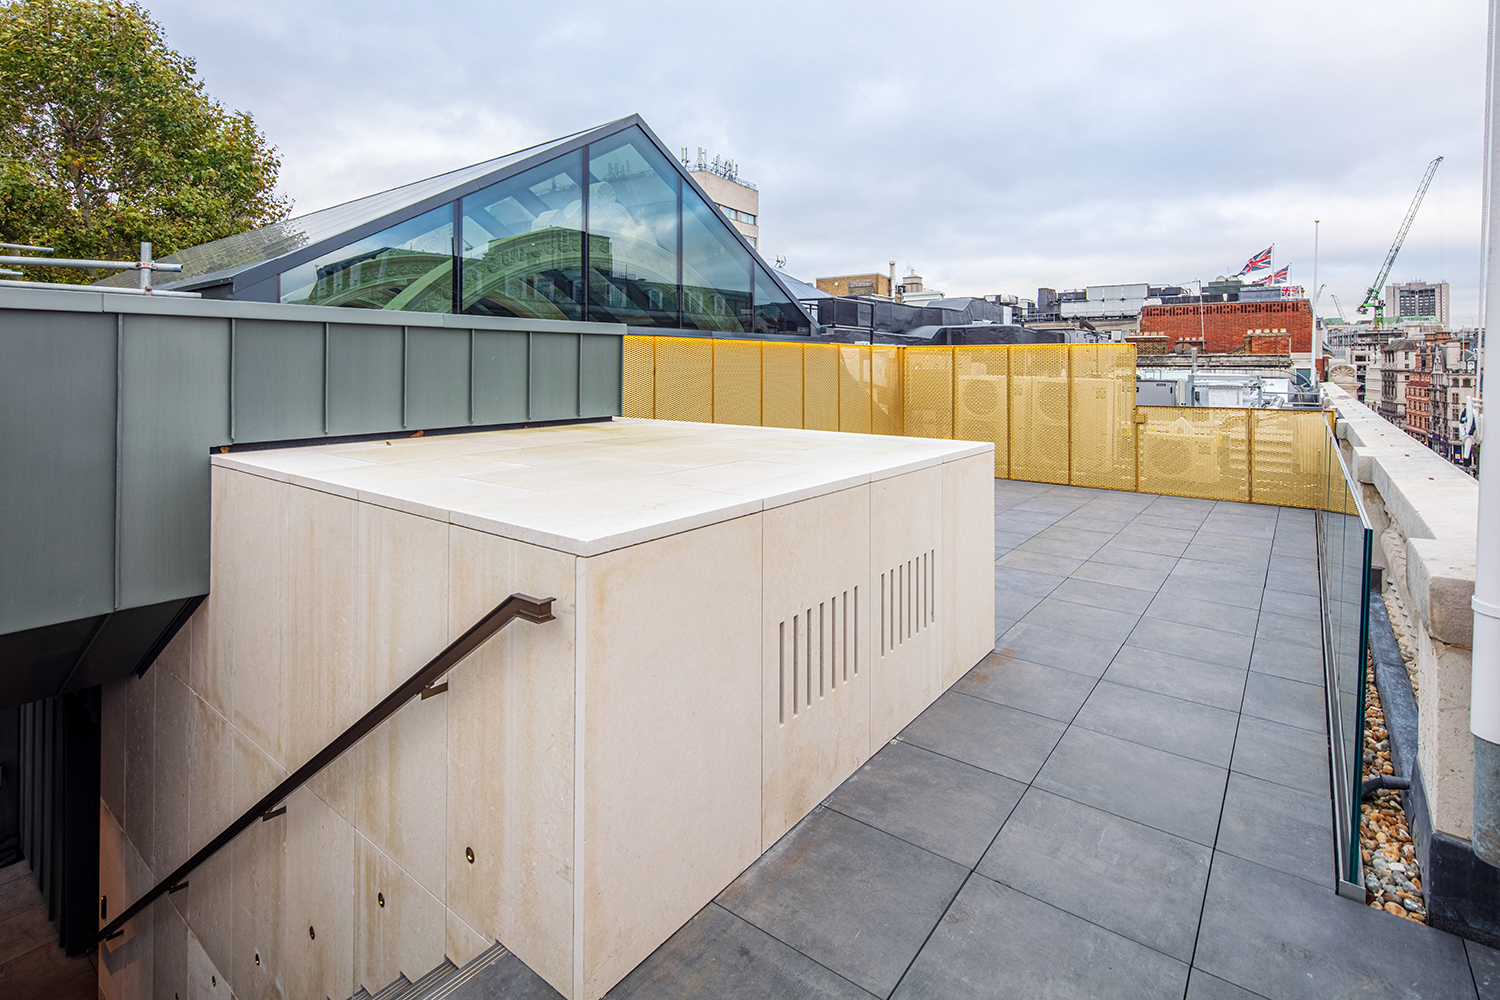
x=607, y=228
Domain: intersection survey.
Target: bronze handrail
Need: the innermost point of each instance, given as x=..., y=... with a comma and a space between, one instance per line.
x=515, y=606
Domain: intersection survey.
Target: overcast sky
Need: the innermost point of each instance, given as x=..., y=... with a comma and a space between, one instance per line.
x=992, y=147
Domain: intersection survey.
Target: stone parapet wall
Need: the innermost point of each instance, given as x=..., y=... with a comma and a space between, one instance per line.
x=1424, y=512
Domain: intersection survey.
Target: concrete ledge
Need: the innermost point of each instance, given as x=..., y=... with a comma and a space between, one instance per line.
x=1434, y=504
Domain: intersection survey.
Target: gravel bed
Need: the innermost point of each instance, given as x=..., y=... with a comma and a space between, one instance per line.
x=1393, y=881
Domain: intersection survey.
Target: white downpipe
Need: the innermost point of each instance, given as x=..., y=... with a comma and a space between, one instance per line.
x=1484, y=712
x=1484, y=705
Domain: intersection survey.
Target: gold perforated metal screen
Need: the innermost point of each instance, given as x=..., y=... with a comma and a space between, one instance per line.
x=737, y=382
x=684, y=379
x=981, y=402
x=638, y=396
x=854, y=389
x=1102, y=425
x=820, y=387
x=781, y=384
x=1039, y=407
x=1055, y=413
x=1287, y=457
x=885, y=390
x=1195, y=451
x=927, y=391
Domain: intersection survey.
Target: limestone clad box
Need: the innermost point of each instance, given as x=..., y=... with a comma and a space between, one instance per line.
x=743, y=616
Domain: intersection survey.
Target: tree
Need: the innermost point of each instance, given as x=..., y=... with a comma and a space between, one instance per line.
x=107, y=139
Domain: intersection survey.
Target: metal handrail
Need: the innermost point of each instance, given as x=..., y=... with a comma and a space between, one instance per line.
x=515, y=606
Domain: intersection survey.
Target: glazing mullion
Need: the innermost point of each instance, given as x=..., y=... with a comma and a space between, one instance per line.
x=679, y=252
x=584, y=255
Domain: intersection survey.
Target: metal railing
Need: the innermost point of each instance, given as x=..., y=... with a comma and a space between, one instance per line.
x=419, y=684
x=1056, y=413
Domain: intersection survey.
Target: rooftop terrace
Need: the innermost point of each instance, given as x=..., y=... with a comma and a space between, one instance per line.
x=1128, y=798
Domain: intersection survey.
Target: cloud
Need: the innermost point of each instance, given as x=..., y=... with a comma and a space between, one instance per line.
x=993, y=147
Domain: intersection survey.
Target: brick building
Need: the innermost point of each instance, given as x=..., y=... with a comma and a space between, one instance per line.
x=1418, y=404
x=1283, y=327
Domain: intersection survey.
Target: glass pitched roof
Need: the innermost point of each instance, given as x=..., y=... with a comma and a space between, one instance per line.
x=234, y=253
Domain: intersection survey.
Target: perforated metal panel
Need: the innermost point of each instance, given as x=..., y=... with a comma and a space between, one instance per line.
x=684, y=379
x=1102, y=452
x=1195, y=452
x=737, y=382
x=1287, y=457
x=820, y=387
x=1039, y=412
x=927, y=392
x=854, y=389
x=981, y=405
x=640, y=377
x=781, y=384
x=885, y=390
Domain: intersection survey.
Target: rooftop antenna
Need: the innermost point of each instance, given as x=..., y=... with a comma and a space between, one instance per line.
x=780, y=263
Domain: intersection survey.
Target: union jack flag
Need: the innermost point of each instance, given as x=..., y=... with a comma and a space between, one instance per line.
x=1280, y=277
x=1259, y=262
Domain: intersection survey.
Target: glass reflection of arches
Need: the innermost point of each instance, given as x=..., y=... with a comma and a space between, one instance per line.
x=522, y=244
x=632, y=223
x=657, y=254
x=408, y=266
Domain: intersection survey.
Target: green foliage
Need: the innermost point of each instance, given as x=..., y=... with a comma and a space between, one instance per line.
x=108, y=140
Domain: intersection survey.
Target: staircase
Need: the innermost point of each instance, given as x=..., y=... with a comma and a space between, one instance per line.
x=495, y=974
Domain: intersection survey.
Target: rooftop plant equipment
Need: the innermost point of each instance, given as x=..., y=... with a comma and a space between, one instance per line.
x=1373, y=297
x=145, y=265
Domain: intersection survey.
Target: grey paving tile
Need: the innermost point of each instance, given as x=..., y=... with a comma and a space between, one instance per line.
x=1209, y=645
x=1293, y=661
x=1032, y=687
x=1208, y=581
x=1234, y=559
x=1290, y=628
x=1003, y=624
x=1148, y=519
x=1182, y=505
x=1178, y=676
x=1079, y=619
x=1153, y=787
x=1093, y=594
x=1054, y=648
x=1237, y=593
x=1007, y=540
x=1284, y=602
x=1207, y=614
x=1291, y=703
x=1282, y=828
x=1163, y=541
x=995, y=737
x=1202, y=986
x=946, y=806
x=1062, y=852
x=1296, y=583
x=848, y=896
x=1255, y=919
x=995, y=943
x=1117, y=556
x=1049, y=504
x=1049, y=543
x=1039, y=562
x=513, y=979
x=1024, y=521
x=719, y=956
x=1027, y=581
x=1283, y=754
x=1014, y=604
x=1484, y=963
x=1115, y=574
x=1212, y=537
x=1182, y=727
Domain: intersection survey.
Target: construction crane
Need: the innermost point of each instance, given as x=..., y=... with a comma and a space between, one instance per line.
x=1373, y=297
x=1339, y=307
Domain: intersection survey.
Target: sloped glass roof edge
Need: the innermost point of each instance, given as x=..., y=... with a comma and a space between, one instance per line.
x=275, y=247
x=395, y=208
x=754, y=253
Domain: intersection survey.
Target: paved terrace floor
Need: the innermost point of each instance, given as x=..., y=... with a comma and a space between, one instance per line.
x=1128, y=798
